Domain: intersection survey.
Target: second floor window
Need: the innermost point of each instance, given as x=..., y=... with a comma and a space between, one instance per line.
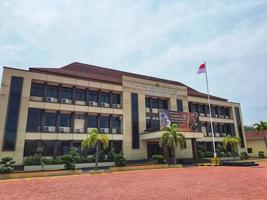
x=37, y=90
x=50, y=119
x=180, y=105
x=116, y=123
x=92, y=121
x=93, y=96
x=104, y=97
x=116, y=98
x=104, y=121
x=66, y=93
x=52, y=91
x=34, y=119
x=80, y=95
x=65, y=120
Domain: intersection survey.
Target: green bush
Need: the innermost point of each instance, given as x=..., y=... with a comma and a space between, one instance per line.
x=158, y=159
x=119, y=160
x=6, y=165
x=68, y=161
x=244, y=156
x=201, y=153
x=261, y=154
x=32, y=160
x=209, y=154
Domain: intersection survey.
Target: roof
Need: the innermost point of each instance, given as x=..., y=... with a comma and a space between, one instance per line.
x=252, y=135
x=96, y=73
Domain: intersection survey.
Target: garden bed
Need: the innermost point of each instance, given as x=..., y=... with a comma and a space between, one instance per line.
x=32, y=168
x=16, y=175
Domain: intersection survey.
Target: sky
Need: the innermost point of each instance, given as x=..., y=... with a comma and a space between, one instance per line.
x=166, y=39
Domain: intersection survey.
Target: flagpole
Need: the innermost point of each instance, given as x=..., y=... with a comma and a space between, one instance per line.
x=211, y=124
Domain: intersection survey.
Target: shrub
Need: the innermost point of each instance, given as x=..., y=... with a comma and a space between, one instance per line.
x=6, y=165
x=68, y=161
x=32, y=160
x=158, y=159
x=261, y=154
x=119, y=160
x=201, y=153
x=208, y=154
x=244, y=156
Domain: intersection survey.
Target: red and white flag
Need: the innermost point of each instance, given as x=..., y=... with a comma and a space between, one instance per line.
x=202, y=68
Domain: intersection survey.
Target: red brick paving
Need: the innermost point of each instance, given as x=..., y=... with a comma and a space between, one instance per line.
x=184, y=183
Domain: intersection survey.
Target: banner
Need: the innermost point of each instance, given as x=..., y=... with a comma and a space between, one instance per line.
x=186, y=121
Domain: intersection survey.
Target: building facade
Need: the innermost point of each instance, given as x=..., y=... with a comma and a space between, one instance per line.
x=56, y=107
x=256, y=142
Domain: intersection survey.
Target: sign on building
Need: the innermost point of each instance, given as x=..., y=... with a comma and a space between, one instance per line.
x=186, y=121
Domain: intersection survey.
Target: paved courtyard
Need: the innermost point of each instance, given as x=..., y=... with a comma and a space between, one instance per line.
x=184, y=183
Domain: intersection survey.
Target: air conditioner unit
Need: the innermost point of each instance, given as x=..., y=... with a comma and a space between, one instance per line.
x=104, y=130
x=49, y=129
x=227, y=117
x=64, y=100
x=104, y=104
x=80, y=102
x=116, y=106
x=217, y=134
x=93, y=103
x=114, y=130
x=210, y=134
x=223, y=134
x=202, y=114
x=79, y=130
x=51, y=99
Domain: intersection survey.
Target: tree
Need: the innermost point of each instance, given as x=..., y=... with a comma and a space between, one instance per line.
x=233, y=142
x=95, y=140
x=172, y=138
x=261, y=127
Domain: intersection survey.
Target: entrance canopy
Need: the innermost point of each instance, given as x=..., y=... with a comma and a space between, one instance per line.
x=157, y=134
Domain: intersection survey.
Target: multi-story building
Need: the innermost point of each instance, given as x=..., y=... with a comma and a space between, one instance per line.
x=56, y=107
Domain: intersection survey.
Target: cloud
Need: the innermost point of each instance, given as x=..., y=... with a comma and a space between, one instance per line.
x=160, y=38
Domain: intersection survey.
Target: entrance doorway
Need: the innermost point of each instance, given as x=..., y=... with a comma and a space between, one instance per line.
x=153, y=148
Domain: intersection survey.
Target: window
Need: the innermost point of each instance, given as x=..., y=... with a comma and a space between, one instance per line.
x=227, y=112
x=192, y=107
x=116, y=98
x=213, y=111
x=37, y=90
x=104, y=121
x=50, y=119
x=48, y=147
x=34, y=120
x=92, y=121
x=65, y=120
x=163, y=104
x=92, y=96
x=80, y=95
x=216, y=128
x=66, y=93
x=207, y=110
x=148, y=123
x=30, y=147
x=179, y=105
x=155, y=103
x=115, y=122
x=147, y=102
x=52, y=91
x=104, y=97
x=201, y=108
x=155, y=122
x=135, y=121
x=13, y=109
x=250, y=150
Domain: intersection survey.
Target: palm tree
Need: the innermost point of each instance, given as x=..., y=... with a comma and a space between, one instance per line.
x=261, y=127
x=95, y=139
x=233, y=142
x=172, y=138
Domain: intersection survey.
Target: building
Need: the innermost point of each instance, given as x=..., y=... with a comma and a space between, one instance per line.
x=56, y=107
x=256, y=142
